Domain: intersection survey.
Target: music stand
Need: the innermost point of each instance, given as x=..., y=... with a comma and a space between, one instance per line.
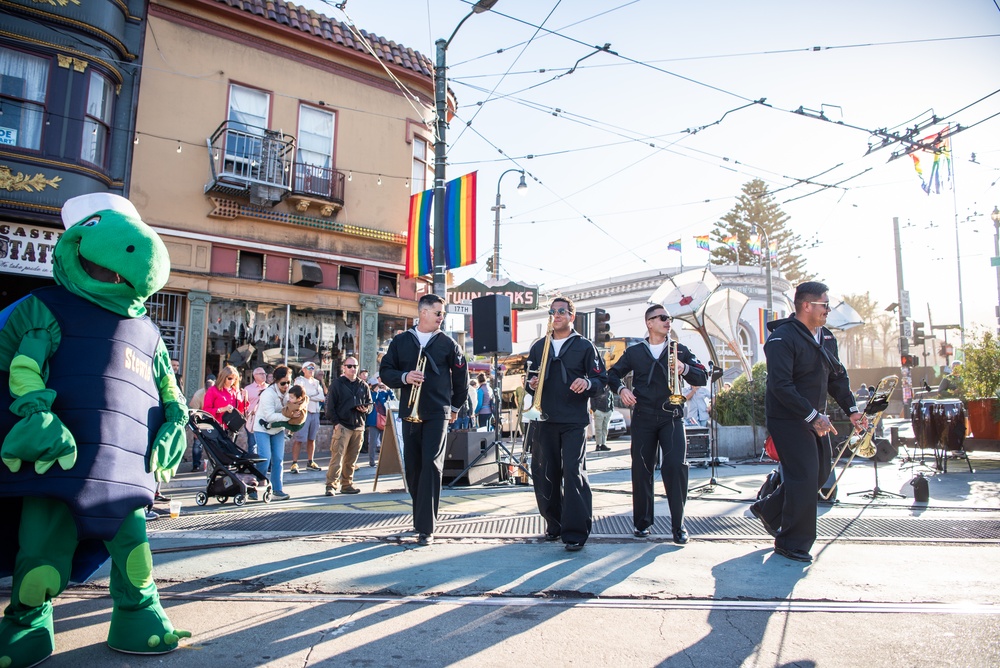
x=713, y=444
x=876, y=492
x=498, y=444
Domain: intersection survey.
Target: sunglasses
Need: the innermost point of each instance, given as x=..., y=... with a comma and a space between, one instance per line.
x=350, y=366
x=284, y=383
x=825, y=305
x=662, y=317
x=560, y=311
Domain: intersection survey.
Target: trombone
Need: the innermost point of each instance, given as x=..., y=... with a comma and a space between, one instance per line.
x=861, y=441
x=535, y=412
x=414, y=401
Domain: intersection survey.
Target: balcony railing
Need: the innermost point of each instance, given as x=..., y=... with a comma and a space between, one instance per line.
x=250, y=161
x=321, y=182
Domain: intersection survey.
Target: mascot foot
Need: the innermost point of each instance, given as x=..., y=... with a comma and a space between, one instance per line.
x=145, y=631
x=26, y=637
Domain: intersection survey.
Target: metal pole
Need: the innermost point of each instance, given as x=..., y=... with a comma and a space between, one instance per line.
x=440, y=147
x=495, y=274
x=996, y=258
x=767, y=258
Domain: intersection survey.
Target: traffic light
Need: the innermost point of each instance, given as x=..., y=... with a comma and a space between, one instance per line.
x=918, y=334
x=602, y=326
x=908, y=360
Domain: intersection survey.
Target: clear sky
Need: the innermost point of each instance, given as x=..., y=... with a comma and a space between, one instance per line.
x=618, y=172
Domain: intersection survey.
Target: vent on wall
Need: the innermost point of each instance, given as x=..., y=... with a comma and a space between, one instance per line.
x=306, y=273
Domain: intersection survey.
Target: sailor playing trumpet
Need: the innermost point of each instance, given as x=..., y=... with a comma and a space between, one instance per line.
x=656, y=365
x=431, y=370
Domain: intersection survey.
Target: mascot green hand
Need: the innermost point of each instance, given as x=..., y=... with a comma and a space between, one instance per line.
x=91, y=400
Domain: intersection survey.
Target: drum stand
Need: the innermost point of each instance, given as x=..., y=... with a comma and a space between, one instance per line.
x=876, y=492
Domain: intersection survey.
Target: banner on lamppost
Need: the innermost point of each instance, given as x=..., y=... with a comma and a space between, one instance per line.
x=522, y=297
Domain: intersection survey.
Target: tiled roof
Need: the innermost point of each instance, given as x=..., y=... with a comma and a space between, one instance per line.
x=308, y=21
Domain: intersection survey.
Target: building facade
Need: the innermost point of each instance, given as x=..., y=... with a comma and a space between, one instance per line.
x=275, y=156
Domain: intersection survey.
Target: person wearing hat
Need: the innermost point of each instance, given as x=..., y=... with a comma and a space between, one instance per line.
x=253, y=390
x=313, y=387
x=951, y=384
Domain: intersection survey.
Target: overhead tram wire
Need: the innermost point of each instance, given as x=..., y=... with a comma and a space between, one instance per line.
x=528, y=43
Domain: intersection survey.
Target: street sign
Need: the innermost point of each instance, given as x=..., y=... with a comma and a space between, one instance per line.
x=458, y=309
x=904, y=304
x=907, y=329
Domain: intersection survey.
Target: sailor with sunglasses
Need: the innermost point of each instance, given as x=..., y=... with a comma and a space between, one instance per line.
x=802, y=369
x=574, y=373
x=657, y=424
x=445, y=380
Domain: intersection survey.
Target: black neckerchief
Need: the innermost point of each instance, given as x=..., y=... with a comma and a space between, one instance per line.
x=558, y=358
x=657, y=364
x=430, y=360
x=833, y=365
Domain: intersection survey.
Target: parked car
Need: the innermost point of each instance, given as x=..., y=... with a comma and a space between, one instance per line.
x=617, y=427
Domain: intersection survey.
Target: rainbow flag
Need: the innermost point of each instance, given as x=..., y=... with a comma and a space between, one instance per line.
x=701, y=242
x=674, y=245
x=764, y=316
x=732, y=241
x=941, y=155
x=418, y=242
x=460, y=221
x=773, y=249
x=755, y=244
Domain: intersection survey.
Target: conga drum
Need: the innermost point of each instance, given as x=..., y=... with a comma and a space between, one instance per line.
x=925, y=430
x=951, y=414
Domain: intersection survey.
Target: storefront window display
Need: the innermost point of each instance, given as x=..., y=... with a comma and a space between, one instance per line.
x=249, y=334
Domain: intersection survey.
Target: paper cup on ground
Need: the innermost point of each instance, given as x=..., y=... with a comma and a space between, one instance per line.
x=175, y=508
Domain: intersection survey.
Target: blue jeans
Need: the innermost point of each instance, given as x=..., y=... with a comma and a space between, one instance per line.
x=272, y=448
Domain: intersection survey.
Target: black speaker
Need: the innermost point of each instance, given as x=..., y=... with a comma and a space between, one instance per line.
x=491, y=332
x=461, y=449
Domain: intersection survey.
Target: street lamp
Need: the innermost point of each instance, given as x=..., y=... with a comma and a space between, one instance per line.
x=767, y=257
x=441, y=109
x=996, y=258
x=522, y=189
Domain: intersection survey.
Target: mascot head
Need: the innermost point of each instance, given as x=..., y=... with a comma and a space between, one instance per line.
x=108, y=255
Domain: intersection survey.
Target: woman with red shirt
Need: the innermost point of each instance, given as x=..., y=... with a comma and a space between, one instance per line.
x=226, y=395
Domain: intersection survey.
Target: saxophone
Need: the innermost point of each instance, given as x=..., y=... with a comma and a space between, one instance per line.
x=535, y=412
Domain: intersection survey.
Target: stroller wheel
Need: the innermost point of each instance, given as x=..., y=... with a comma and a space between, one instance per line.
x=240, y=499
x=201, y=498
x=222, y=498
x=266, y=498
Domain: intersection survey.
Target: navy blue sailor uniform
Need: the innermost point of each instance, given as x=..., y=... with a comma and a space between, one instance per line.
x=656, y=424
x=445, y=388
x=801, y=372
x=558, y=452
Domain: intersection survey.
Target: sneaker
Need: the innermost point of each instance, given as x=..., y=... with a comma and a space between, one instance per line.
x=159, y=498
x=252, y=494
x=330, y=491
x=425, y=539
x=313, y=466
x=151, y=515
x=295, y=468
x=279, y=496
x=349, y=489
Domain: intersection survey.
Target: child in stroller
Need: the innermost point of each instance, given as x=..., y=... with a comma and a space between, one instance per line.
x=233, y=472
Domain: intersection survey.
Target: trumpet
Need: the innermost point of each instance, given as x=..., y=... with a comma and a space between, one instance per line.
x=414, y=402
x=860, y=442
x=676, y=398
x=535, y=412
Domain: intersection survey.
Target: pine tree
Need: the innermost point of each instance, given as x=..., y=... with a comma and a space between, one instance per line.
x=756, y=206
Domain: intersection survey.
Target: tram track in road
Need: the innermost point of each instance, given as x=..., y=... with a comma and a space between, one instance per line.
x=550, y=600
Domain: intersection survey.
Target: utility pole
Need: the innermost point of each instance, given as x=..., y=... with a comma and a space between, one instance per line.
x=904, y=301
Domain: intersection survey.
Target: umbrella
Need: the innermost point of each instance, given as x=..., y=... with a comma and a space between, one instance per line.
x=842, y=315
x=683, y=294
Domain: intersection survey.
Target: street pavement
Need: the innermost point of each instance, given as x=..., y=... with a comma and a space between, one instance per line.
x=894, y=582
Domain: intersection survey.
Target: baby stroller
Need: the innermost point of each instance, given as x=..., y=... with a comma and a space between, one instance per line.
x=232, y=472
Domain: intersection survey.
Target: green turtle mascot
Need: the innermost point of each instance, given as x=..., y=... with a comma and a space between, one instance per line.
x=90, y=420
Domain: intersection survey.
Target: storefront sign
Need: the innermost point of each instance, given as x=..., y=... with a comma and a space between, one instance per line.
x=522, y=297
x=26, y=249
x=8, y=136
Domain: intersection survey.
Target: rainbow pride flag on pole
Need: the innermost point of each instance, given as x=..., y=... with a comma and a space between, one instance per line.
x=755, y=244
x=943, y=154
x=732, y=241
x=702, y=242
x=460, y=221
x=418, y=241
x=674, y=245
x=773, y=249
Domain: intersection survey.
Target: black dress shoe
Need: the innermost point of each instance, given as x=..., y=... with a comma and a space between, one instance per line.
x=681, y=536
x=794, y=555
x=549, y=537
x=574, y=547
x=425, y=539
x=641, y=533
x=755, y=511
x=603, y=448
